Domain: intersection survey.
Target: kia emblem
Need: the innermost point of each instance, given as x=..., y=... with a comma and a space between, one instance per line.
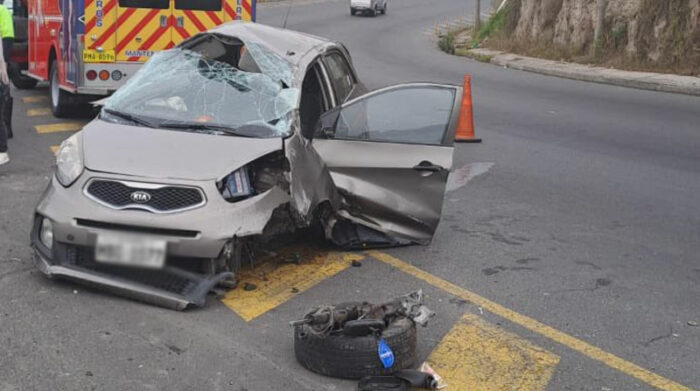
x=140, y=197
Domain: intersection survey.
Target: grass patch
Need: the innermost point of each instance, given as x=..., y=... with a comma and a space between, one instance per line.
x=446, y=43
x=476, y=56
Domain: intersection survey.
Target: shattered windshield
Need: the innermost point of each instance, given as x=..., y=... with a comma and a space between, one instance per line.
x=213, y=85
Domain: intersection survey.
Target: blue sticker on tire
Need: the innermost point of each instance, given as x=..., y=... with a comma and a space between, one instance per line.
x=386, y=356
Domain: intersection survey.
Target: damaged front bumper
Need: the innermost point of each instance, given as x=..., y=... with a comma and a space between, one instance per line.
x=78, y=222
x=186, y=289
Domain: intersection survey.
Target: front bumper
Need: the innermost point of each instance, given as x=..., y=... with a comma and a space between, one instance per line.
x=183, y=289
x=193, y=235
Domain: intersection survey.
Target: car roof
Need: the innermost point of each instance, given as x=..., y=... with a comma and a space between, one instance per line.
x=289, y=44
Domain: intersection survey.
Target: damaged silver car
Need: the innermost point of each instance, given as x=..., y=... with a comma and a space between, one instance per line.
x=222, y=147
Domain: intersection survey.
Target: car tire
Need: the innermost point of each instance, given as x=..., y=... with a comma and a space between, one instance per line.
x=19, y=80
x=384, y=8
x=60, y=99
x=352, y=12
x=374, y=11
x=347, y=357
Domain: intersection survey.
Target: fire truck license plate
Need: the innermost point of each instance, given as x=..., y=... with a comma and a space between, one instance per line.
x=95, y=56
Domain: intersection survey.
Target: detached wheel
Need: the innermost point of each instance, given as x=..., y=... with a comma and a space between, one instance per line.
x=21, y=81
x=355, y=357
x=60, y=100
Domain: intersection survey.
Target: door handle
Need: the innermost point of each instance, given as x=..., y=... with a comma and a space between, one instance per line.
x=427, y=166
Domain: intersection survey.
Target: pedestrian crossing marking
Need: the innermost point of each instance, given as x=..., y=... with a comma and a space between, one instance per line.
x=38, y=112
x=59, y=127
x=34, y=99
x=478, y=356
x=267, y=286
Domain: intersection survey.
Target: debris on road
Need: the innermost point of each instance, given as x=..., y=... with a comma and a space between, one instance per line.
x=693, y=323
x=425, y=367
x=401, y=380
x=353, y=340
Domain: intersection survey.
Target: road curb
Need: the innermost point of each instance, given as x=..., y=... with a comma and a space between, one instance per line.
x=688, y=85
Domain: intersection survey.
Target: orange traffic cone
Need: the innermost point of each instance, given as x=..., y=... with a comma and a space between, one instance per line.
x=465, y=123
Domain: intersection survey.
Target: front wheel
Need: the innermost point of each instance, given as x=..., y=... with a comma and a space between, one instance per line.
x=60, y=105
x=20, y=81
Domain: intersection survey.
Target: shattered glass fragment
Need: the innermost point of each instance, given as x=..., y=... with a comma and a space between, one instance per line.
x=187, y=87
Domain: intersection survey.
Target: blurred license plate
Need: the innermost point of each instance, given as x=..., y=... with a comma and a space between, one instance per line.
x=95, y=56
x=130, y=251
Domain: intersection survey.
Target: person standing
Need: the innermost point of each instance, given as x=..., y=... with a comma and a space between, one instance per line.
x=7, y=30
x=7, y=33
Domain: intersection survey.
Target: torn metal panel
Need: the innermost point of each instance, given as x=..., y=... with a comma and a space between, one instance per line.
x=383, y=191
x=310, y=181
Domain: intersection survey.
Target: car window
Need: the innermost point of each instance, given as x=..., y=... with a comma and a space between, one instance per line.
x=341, y=77
x=198, y=5
x=158, y=4
x=314, y=98
x=415, y=115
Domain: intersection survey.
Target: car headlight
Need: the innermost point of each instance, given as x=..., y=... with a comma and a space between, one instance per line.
x=69, y=161
x=46, y=233
x=236, y=185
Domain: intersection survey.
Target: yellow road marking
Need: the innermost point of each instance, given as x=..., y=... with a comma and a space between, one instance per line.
x=34, y=99
x=478, y=356
x=54, y=148
x=277, y=283
x=59, y=127
x=535, y=326
x=38, y=112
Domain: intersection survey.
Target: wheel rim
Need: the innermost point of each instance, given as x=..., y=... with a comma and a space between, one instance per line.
x=54, y=88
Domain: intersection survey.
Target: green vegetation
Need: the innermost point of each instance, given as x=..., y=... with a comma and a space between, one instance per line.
x=447, y=42
x=495, y=24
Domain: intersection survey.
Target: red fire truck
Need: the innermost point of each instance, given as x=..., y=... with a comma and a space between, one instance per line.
x=88, y=48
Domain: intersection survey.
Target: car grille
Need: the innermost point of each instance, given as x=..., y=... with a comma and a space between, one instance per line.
x=118, y=195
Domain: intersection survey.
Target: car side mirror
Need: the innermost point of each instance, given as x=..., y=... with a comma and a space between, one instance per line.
x=326, y=124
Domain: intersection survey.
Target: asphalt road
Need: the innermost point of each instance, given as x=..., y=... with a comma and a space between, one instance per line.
x=584, y=217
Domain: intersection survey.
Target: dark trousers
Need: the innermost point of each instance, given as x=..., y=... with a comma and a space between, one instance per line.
x=5, y=99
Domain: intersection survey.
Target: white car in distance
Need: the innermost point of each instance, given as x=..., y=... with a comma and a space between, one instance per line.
x=371, y=7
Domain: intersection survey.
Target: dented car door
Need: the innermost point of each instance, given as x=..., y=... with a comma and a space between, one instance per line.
x=389, y=153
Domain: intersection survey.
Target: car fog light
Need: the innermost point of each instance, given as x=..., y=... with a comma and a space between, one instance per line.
x=46, y=234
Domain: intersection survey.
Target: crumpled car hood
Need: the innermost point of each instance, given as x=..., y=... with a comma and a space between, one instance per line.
x=158, y=153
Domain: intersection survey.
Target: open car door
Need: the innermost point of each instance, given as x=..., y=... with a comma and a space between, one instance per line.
x=389, y=153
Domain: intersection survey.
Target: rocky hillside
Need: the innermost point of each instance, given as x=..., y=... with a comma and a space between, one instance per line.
x=644, y=34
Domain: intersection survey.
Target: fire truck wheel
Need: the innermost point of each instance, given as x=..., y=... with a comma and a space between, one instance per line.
x=60, y=99
x=19, y=80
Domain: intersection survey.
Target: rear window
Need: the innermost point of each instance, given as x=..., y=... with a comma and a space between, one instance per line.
x=198, y=5
x=157, y=4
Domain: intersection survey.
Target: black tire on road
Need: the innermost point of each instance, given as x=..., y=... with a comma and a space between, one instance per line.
x=60, y=99
x=355, y=357
x=384, y=8
x=352, y=12
x=21, y=81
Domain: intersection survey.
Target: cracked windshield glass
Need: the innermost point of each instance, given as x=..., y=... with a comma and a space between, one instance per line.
x=216, y=85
